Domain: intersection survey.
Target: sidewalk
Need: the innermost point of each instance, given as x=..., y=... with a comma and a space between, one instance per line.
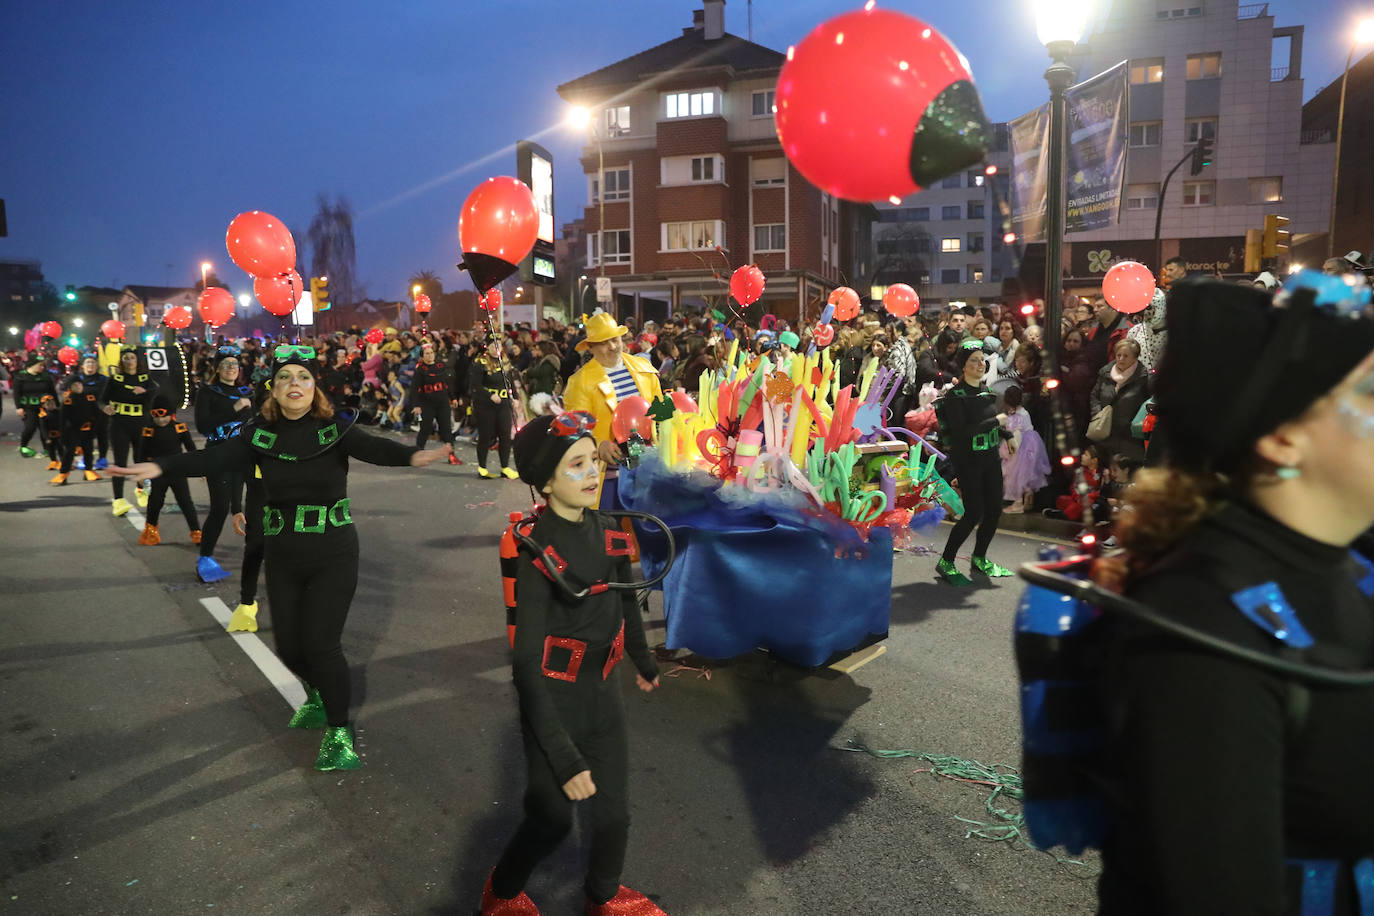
x=148, y=769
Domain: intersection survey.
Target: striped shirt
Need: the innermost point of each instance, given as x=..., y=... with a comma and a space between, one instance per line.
x=623, y=382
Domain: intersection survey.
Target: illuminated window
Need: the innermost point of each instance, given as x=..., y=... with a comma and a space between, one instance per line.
x=689, y=104
x=618, y=121
x=1199, y=193
x=1266, y=190
x=1204, y=66
x=948, y=245
x=1150, y=70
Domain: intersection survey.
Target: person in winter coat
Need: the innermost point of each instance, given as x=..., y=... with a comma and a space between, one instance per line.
x=1124, y=385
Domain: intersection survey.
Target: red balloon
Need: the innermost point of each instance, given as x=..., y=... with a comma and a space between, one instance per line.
x=68, y=356
x=901, y=300
x=422, y=303
x=279, y=294
x=885, y=83
x=846, y=303
x=746, y=284
x=490, y=301
x=51, y=329
x=374, y=336
x=178, y=317
x=113, y=328
x=497, y=227
x=823, y=335
x=1128, y=286
x=628, y=414
x=216, y=306
x=684, y=402
x=260, y=243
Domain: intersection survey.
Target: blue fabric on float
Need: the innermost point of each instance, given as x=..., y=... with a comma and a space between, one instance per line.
x=758, y=570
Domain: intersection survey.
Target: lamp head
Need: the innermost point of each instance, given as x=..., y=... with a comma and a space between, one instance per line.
x=1364, y=31
x=1059, y=21
x=579, y=117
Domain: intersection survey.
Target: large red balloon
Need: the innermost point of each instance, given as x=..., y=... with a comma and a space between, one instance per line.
x=177, y=317
x=1128, y=286
x=374, y=336
x=51, y=329
x=746, y=284
x=497, y=227
x=684, y=402
x=261, y=244
x=846, y=303
x=216, y=306
x=278, y=294
x=901, y=300
x=68, y=356
x=422, y=303
x=113, y=328
x=885, y=83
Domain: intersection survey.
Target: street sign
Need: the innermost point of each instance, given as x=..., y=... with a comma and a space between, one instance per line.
x=603, y=290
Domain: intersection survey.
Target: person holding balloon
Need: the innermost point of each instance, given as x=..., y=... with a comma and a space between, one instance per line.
x=126, y=400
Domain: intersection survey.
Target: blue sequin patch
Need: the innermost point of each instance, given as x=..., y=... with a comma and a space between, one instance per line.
x=1267, y=607
x=1366, y=582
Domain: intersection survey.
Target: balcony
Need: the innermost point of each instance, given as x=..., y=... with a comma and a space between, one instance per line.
x=1320, y=135
x=1278, y=74
x=1252, y=11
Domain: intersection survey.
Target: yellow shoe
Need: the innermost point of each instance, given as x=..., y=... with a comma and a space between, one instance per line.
x=141, y=494
x=511, y=473
x=121, y=507
x=149, y=537
x=92, y=475
x=483, y=472
x=54, y=465
x=245, y=619
x=59, y=479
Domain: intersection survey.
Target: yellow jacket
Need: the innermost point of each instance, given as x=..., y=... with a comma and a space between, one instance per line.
x=590, y=389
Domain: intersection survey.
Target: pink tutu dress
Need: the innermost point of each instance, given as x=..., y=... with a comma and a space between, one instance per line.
x=1029, y=467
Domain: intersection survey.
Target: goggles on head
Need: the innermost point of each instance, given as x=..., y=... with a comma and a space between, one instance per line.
x=287, y=351
x=572, y=423
x=973, y=343
x=229, y=350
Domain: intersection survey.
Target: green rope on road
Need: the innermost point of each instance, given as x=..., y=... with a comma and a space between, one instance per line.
x=1002, y=779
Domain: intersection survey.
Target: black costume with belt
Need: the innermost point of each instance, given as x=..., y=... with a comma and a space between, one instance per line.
x=29, y=391
x=160, y=442
x=1227, y=770
x=970, y=433
x=571, y=716
x=126, y=423
x=93, y=385
x=216, y=419
x=487, y=377
x=311, y=545
x=431, y=389
x=79, y=412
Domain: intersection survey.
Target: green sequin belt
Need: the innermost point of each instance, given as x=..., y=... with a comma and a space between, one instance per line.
x=305, y=519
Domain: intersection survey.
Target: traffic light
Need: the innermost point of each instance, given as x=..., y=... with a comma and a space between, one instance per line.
x=70, y=294
x=319, y=293
x=1202, y=155
x=138, y=314
x=1254, y=245
x=1276, y=236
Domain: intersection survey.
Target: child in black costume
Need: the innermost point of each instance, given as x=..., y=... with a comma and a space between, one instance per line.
x=30, y=386
x=79, y=419
x=50, y=419
x=164, y=435
x=125, y=400
x=565, y=650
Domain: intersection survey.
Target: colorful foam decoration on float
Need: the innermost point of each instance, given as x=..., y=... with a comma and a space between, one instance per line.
x=215, y=306
x=50, y=329
x=178, y=318
x=113, y=329
x=1128, y=286
x=746, y=284
x=68, y=356
x=374, y=335
x=279, y=294
x=497, y=227
x=846, y=303
x=260, y=244
x=885, y=83
x=901, y=300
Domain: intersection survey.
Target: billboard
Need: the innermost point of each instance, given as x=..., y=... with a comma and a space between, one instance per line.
x=534, y=166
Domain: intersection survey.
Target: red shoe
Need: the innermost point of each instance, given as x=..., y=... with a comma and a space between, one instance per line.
x=626, y=902
x=493, y=905
x=453, y=459
x=195, y=536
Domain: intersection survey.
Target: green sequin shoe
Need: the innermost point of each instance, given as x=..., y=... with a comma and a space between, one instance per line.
x=952, y=575
x=989, y=568
x=311, y=714
x=336, y=750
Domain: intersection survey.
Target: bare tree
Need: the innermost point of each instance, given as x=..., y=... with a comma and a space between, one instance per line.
x=331, y=248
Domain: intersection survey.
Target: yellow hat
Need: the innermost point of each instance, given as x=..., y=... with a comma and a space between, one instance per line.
x=602, y=327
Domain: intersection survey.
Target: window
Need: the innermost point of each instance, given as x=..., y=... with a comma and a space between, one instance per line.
x=923, y=278
x=975, y=241
x=617, y=185
x=677, y=170
x=976, y=178
x=975, y=209
x=1146, y=133
x=618, y=121
x=1198, y=193
x=690, y=104
x=953, y=181
x=768, y=171
x=952, y=212
x=763, y=103
x=905, y=215
x=1179, y=13
x=997, y=275
x=772, y=237
x=1197, y=129
x=617, y=243
x=1204, y=66
x=1150, y=70
x=1266, y=190
x=703, y=168
x=948, y=245
x=1142, y=196
x=694, y=235
x=975, y=274
x=949, y=276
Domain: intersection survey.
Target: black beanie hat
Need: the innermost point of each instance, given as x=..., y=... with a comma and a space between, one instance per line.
x=162, y=402
x=1238, y=366
x=33, y=356
x=538, y=450
x=966, y=349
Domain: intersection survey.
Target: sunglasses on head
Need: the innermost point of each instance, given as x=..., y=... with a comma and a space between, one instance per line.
x=286, y=351
x=160, y=411
x=572, y=423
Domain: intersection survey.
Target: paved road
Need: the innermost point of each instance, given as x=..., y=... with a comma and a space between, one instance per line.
x=148, y=769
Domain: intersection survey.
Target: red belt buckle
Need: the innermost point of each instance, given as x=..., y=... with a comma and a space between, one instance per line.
x=617, y=653
x=577, y=647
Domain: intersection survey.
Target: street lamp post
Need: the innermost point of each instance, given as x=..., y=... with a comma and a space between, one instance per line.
x=1364, y=32
x=582, y=117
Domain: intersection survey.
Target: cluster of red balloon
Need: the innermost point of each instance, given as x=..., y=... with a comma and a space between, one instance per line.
x=262, y=246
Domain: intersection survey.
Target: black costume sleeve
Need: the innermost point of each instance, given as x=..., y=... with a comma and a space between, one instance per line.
x=233, y=455
x=635, y=644
x=205, y=423
x=535, y=593
x=187, y=442
x=375, y=449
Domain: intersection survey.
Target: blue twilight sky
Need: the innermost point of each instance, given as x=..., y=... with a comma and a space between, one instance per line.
x=134, y=131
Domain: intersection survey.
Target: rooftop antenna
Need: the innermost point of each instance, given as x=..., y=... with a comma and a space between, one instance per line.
x=750, y=5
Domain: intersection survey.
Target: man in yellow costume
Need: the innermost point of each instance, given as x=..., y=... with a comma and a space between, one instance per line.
x=610, y=375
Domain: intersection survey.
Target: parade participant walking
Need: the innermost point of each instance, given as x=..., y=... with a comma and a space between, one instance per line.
x=597, y=387
x=50, y=428
x=1246, y=535
x=29, y=387
x=222, y=407
x=970, y=431
x=565, y=652
x=79, y=410
x=489, y=388
x=93, y=386
x=125, y=401
x=164, y=435
x=431, y=391
x=302, y=449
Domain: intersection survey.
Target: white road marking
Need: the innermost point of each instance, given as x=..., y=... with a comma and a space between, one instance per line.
x=266, y=660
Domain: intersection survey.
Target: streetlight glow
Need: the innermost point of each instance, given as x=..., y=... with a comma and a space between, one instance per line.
x=579, y=117
x=1294, y=268
x=79, y=322
x=1061, y=20
x=13, y=330
x=244, y=299
x=205, y=266
x=1364, y=32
